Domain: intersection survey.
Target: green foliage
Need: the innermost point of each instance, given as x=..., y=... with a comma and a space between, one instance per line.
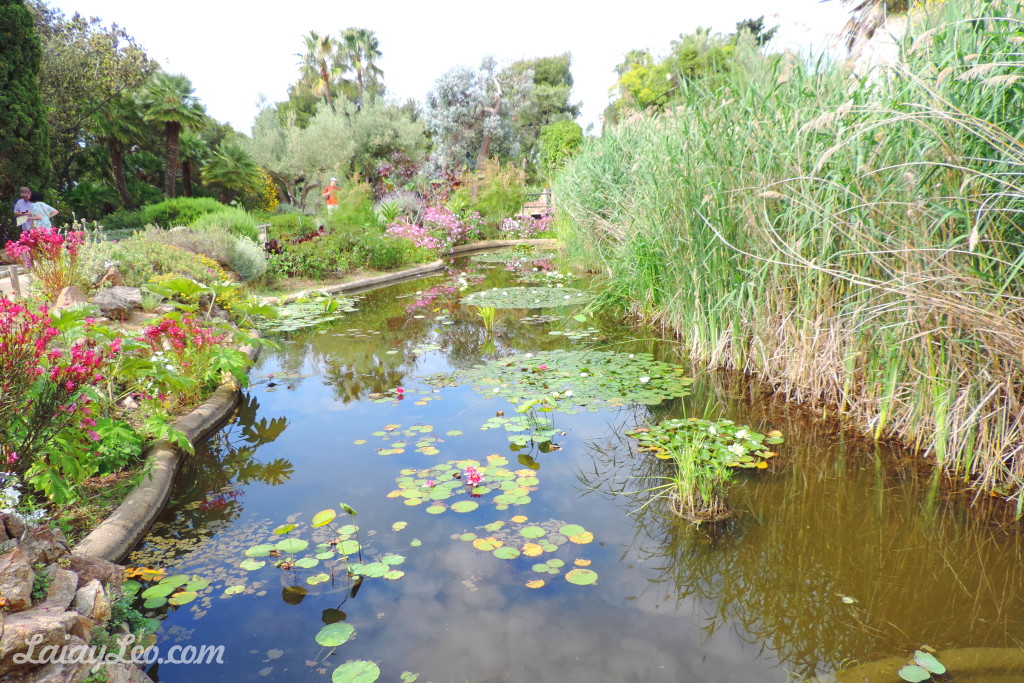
x=239, y=254
x=41, y=582
x=375, y=251
x=180, y=211
x=139, y=260
x=804, y=196
x=231, y=166
x=355, y=207
x=24, y=144
x=315, y=259
x=559, y=142
x=123, y=219
x=495, y=190
x=236, y=220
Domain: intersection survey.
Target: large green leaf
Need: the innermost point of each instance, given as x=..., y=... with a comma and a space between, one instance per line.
x=335, y=634
x=358, y=671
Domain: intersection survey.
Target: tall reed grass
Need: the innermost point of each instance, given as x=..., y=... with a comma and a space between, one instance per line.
x=854, y=240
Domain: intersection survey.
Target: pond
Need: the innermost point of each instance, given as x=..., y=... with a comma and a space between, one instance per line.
x=551, y=567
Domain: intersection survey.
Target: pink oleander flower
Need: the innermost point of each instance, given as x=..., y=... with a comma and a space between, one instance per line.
x=94, y=436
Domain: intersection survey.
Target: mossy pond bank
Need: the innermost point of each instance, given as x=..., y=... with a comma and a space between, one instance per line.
x=541, y=561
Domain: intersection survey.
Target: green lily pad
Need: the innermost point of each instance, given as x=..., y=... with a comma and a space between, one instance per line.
x=130, y=588
x=348, y=547
x=326, y=555
x=292, y=545
x=154, y=603
x=581, y=577
x=556, y=563
x=465, y=506
x=285, y=528
x=197, y=585
x=251, y=564
x=317, y=578
x=394, y=574
x=914, y=674
x=333, y=635
x=453, y=432
x=160, y=590
x=234, y=590
x=262, y=550
x=541, y=568
x=176, y=580
x=435, y=509
x=307, y=563
x=373, y=570
x=392, y=559
x=571, y=530
x=928, y=661
x=357, y=671
x=182, y=598
x=506, y=553
x=532, y=532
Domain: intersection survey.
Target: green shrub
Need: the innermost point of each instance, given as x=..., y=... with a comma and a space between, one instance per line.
x=139, y=259
x=317, y=259
x=500, y=192
x=247, y=259
x=378, y=252
x=239, y=254
x=290, y=225
x=238, y=221
x=179, y=211
x=122, y=219
x=355, y=207
x=559, y=142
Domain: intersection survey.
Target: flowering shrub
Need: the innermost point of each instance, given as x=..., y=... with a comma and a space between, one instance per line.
x=187, y=349
x=52, y=257
x=45, y=400
x=439, y=230
x=525, y=227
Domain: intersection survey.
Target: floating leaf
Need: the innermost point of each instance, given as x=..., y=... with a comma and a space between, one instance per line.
x=519, y=519
x=176, y=580
x=467, y=537
x=494, y=526
x=582, y=563
x=359, y=442
x=556, y=563
x=926, y=660
x=197, y=585
x=914, y=674
x=333, y=635
x=582, y=539
x=392, y=559
x=259, y=550
x=233, y=590
x=160, y=590
x=307, y=563
x=571, y=530
x=356, y=671
x=581, y=577
x=292, y=545
x=130, y=588
x=453, y=432
x=326, y=555
x=318, y=578
x=373, y=570
x=182, y=598
x=398, y=526
x=323, y=518
x=154, y=603
x=487, y=544
x=408, y=677
x=506, y=553
x=415, y=543
x=436, y=509
x=251, y=564
x=541, y=567
x=532, y=550
x=348, y=547
x=532, y=532
x=285, y=528
x=465, y=506
x=394, y=574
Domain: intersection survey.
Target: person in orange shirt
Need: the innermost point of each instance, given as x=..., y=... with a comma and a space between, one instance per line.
x=330, y=193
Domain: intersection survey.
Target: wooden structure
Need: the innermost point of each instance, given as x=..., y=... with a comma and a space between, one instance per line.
x=538, y=204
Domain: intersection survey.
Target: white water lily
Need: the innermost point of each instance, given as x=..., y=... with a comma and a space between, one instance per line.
x=583, y=374
x=645, y=380
x=737, y=449
x=568, y=392
x=529, y=355
x=497, y=389
x=742, y=434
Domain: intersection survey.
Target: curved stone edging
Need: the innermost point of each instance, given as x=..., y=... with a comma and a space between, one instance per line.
x=410, y=273
x=117, y=534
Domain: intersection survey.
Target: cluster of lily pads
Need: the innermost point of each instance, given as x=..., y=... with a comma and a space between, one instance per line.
x=511, y=255
x=922, y=668
x=538, y=430
x=588, y=334
x=176, y=590
x=515, y=538
x=731, y=444
x=396, y=394
x=539, y=276
x=307, y=312
x=397, y=439
x=589, y=378
x=528, y=297
x=467, y=481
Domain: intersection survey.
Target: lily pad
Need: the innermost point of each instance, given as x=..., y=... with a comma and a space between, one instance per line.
x=323, y=518
x=182, y=598
x=307, y=563
x=317, y=579
x=506, y=553
x=160, y=590
x=927, y=661
x=914, y=674
x=251, y=564
x=465, y=506
x=356, y=671
x=234, y=590
x=581, y=577
x=333, y=635
x=292, y=545
x=260, y=550
x=532, y=532
x=285, y=528
x=528, y=297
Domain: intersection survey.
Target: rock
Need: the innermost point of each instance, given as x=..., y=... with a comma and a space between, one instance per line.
x=16, y=577
x=126, y=673
x=61, y=672
x=45, y=545
x=61, y=591
x=13, y=525
x=70, y=296
x=117, y=303
x=91, y=602
x=93, y=568
x=111, y=278
x=37, y=628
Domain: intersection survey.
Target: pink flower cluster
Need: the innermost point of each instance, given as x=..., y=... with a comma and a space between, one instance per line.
x=525, y=227
x=472, y=476
x=180, y=335
x=440, y=229
x=45, y=243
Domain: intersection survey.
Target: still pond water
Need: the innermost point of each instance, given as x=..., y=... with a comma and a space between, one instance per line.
x=840, y=553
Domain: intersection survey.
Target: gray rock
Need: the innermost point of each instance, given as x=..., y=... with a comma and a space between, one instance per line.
x=93, y=568
x=90, y=601
x=45, y=545
x=11, y=526
x=126, y=673
x=60, y=672
x=70, y=296
x=40, y=628
x=16, y=577
x=117, y=303
x=61, y=591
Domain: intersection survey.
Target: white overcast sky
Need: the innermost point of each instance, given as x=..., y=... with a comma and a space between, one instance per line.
x=233, y=51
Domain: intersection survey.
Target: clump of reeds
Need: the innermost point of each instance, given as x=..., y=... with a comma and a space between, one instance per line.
x=857, y=242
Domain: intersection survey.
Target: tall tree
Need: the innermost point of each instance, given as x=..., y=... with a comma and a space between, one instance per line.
x=169, y=99
x=85, y=64
x=320, y=67
x=547, y=101
x=231, y=166
x=757, y=30
x=24, y=158
x=118, y=124
x=360, y=48
x=193, y=151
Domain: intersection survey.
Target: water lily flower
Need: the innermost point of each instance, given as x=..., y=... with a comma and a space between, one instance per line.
x=542, y=367
x=645, y=380
x=430, y=483
x=742, y=434
x=737, y=449
x=568, y=392
x=497, y=389
x=399, y=390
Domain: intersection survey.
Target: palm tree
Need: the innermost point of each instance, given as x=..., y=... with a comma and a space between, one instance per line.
x=118, y=124
x=360, y=49
x=231, y=166
x=169, y=99
x=193, y=150
x=319, y=64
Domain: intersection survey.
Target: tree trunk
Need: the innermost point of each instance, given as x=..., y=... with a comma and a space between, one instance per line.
x=171, y=159
x=325, y=77
x=359, y=78
x=117, y=169
x=485, y=144
x=186, y=178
